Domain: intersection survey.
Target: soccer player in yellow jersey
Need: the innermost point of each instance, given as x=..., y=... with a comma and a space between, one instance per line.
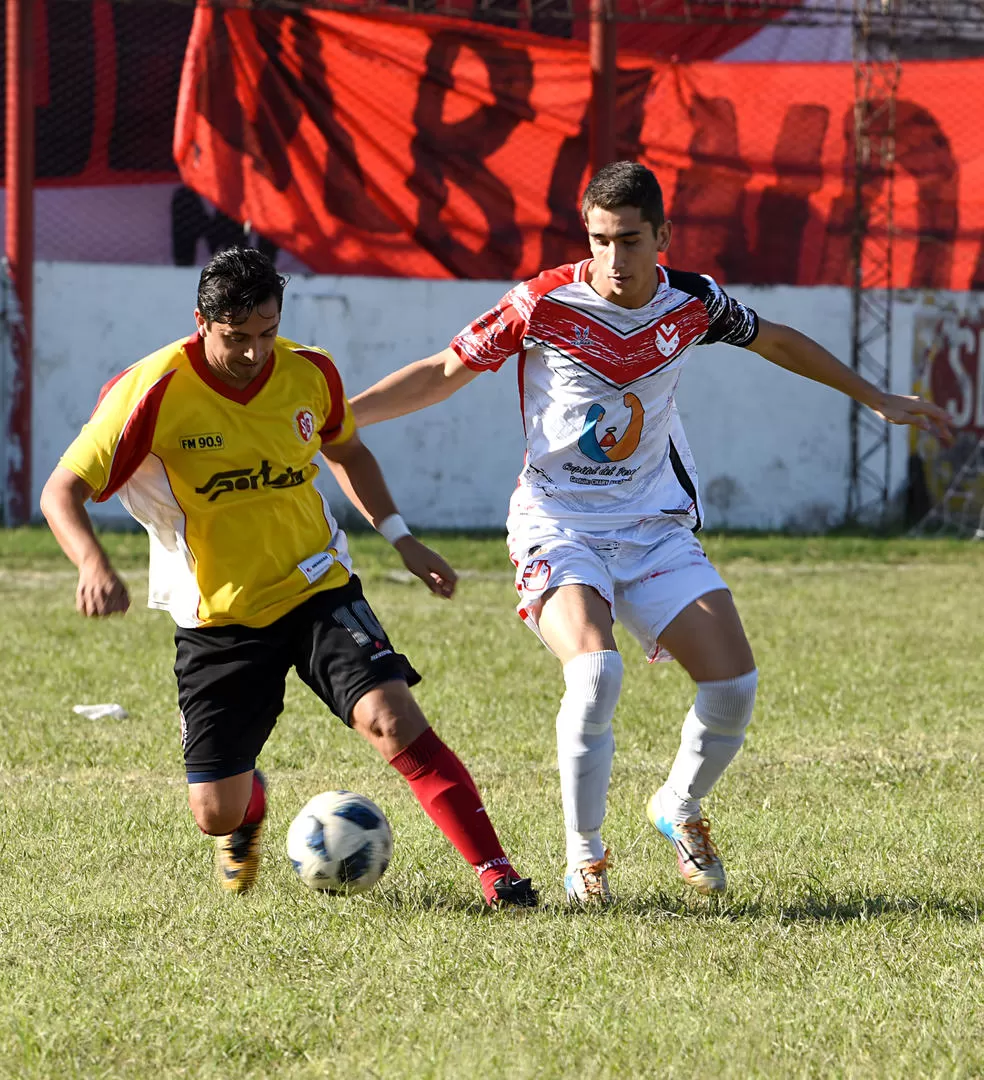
x=210, y=443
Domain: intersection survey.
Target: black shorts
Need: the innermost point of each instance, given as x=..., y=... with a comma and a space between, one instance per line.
x=231, y=679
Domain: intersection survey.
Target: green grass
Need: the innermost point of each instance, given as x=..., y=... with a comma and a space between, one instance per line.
x=849, y=945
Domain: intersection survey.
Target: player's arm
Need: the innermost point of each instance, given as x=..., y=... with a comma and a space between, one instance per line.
x=100, y=590
x=789, y=349
x=357, y=471
x=423, y=383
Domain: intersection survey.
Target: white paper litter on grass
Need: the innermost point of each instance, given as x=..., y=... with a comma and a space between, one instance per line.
x=109, y=711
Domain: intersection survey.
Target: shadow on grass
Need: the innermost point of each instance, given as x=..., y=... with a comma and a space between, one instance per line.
x=812, y=905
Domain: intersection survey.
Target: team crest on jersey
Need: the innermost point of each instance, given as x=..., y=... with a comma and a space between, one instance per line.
x=536, y=575
x=612, y=447
x=304, y=424
x=667, y=338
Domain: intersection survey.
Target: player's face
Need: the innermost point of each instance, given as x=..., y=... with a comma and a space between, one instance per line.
x=236, y=352
x=625, y=248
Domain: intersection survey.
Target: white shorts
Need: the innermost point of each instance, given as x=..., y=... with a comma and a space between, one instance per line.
x=647, y=573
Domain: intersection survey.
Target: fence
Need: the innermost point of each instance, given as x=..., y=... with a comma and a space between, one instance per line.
x=418, y=110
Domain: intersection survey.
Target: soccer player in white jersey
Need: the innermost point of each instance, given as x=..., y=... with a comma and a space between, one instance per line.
x=602, y=523
x=211, y=443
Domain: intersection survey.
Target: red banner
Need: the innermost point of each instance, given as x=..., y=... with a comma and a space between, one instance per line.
x=433, y=148
x=105, y=82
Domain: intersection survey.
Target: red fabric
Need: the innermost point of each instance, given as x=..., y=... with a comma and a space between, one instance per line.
x=256, y=807
x=336, y=414
x=137, y=438
x=429, y=147
x=194, y=348
x=446, y=791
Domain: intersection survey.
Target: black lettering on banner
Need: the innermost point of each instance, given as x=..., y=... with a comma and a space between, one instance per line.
x=923, y=151
x=977, y=277
x=263, y=137
x=148, y=74
x=564, y=238
x=348, y=192
x=65, y=112
x=784, y=213
x=219, y=106
x=456, y=153
x=281, y=99
x=709, y=199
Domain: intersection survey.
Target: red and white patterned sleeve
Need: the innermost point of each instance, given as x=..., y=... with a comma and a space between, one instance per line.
x=488, y=342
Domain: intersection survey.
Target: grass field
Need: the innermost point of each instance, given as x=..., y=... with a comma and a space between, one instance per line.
x=849, y=945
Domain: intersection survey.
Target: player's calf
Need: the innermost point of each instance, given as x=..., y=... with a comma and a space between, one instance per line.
x=585, y=749
x=712, y=735
x=237, y=854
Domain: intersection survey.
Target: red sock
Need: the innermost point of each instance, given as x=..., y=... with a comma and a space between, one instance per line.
x=447, y=793
x=256, y=807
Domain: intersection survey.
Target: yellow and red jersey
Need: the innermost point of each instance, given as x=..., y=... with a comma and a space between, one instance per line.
x=223, y=479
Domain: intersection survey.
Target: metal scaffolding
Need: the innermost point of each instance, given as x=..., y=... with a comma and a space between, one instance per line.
x=877, y=70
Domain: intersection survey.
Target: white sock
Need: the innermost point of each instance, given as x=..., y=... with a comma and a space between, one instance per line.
x=712, y=735
x=585, y=748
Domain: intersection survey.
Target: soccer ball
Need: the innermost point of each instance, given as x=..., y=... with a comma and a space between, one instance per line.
x=340, y=842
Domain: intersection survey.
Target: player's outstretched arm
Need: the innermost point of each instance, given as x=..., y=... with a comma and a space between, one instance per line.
x=423, y=383
x=357, y=471
x=789, y=349
x=100, y=590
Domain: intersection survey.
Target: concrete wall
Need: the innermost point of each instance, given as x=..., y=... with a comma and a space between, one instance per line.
x=772, y=449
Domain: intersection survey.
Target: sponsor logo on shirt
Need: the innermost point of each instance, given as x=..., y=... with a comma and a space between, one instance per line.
x=612, y=447
x=266, y=475
x=210, y=440
x=304, y=424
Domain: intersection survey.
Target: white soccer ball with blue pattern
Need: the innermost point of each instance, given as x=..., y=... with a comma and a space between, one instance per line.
x=340, y=842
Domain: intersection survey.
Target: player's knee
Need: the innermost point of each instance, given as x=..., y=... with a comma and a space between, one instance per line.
x=215, y=819
x=389, y=718
x=725, y=706
x=593, y=683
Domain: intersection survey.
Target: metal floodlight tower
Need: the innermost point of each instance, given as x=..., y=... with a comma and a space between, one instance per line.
x=877, y=70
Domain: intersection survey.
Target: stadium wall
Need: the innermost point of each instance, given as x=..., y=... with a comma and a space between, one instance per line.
x=772, y=449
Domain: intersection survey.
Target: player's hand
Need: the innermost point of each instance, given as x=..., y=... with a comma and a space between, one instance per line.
x=101, y=590
x=432, y=570
x=916, y=412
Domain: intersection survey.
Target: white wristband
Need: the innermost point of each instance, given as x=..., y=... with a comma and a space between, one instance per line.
x=393, y=528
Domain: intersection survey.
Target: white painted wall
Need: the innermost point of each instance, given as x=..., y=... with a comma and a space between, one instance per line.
x=772, y=449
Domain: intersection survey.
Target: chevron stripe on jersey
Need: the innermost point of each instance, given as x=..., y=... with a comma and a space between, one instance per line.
x=597, y=391
x=223, y=479
x=567, y=320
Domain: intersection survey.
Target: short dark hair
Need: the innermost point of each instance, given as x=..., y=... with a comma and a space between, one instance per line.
x=625, y=183
x=235, y=281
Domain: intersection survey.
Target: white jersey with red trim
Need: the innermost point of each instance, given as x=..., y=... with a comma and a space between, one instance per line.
x=605, y=447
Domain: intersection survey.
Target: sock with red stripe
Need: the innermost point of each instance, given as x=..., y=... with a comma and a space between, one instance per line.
x=256, y=807
x=446, y=791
